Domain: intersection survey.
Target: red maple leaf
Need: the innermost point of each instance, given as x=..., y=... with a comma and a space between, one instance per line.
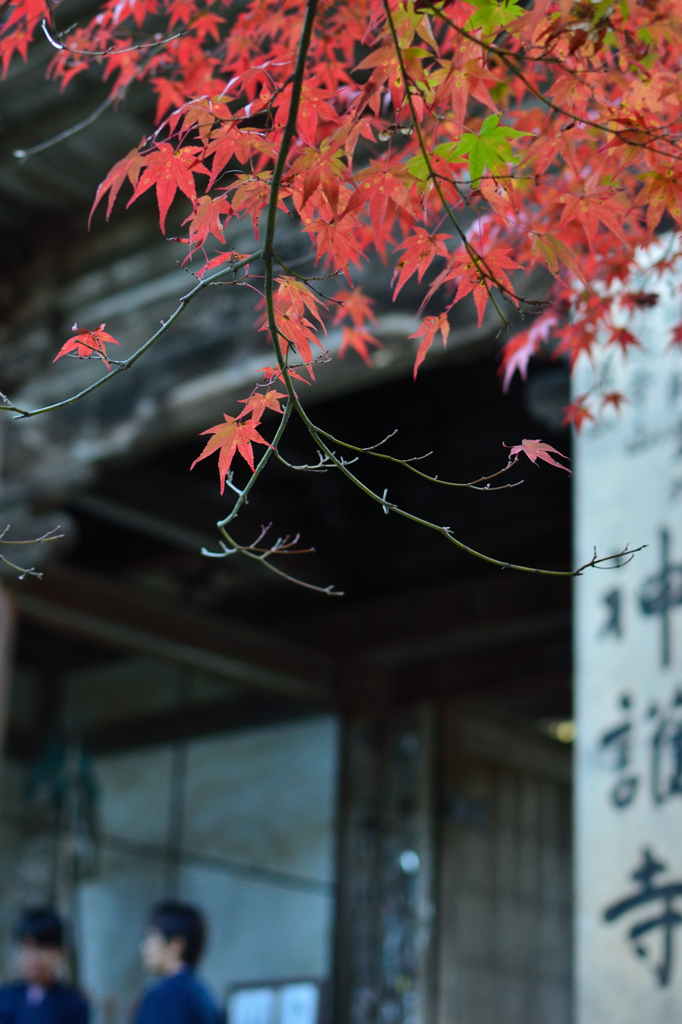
x=535, y=450
x=420, y=250
x=380, y=184
x=576, y=413
x=358, y=338
x=169, y=170
x=229, y=140
x=427, y=331
x=129, y=167
x=469, y=76
x=596, y=205
x=87, y=344
x=206, y=220
x=614, y=398
x=252, y=194
x=222, y=257
x=623, y=337
x=661, y=192
x=336, y=240
x=321, y=168
x=355, y=305
x=518, y=351
x=259, y=401
x=229, y=438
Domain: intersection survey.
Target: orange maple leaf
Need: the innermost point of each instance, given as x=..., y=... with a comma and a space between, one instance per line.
x=231, y=437
x=87, y=344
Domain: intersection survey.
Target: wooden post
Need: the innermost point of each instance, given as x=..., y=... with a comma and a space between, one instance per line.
x=7, y=631
x=385, y=925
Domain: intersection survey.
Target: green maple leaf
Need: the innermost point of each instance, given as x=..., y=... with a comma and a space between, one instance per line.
x=490, y=148
x=492, y=15
x=418, y=167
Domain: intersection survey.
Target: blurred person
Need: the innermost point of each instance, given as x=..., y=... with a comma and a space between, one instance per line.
x=171, y=950
x=41, y=997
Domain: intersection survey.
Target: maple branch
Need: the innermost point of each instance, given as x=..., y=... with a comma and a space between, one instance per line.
x=282, y=546
x=307, y=280
x=269, y=259
x=287, y=135
x=111, y=49
x=473, y=485
x=125, y=364
x=45, y=539
x=508, y=56
x=243, y=494
x=120, y=94
x=623, y=557
x=479, y=261
x=322, y=466
x=22, y=154
x=446, y=531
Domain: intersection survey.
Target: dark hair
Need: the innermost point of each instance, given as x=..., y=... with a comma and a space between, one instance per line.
x=181, y=921
x=42, y=926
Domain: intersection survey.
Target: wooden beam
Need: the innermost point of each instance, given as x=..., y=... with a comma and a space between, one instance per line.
x=188, y=722
x=117, y=616
x=478, y=636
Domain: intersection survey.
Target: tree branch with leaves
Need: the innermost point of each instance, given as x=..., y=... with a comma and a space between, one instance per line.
x=469, y=142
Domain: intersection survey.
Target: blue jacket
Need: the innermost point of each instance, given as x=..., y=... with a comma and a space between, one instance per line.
x=60, y=1005
x=179, y=999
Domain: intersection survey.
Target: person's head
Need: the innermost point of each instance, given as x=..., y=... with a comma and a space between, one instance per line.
x=40, y=937
x=175, y=938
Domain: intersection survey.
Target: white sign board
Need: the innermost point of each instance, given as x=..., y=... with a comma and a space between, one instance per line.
x=252, y=1006
x=628, y=694
x=299, y=1003
x=295, y=1002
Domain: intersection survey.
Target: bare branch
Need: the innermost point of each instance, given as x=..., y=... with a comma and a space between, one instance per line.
x=474, y=485
x=125, y=364
x=22, y=154
x=23, y=572
x=111, y=49
x=618, y=560
x=282, y=546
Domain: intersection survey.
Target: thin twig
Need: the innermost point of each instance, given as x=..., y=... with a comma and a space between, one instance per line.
x=111, y=49
x=282, y=546
x=243, y=495
x=127, y=363
x=507, y=56
x=22, y=154
x=474, y=485
x=479, y=261
x=50, y=535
